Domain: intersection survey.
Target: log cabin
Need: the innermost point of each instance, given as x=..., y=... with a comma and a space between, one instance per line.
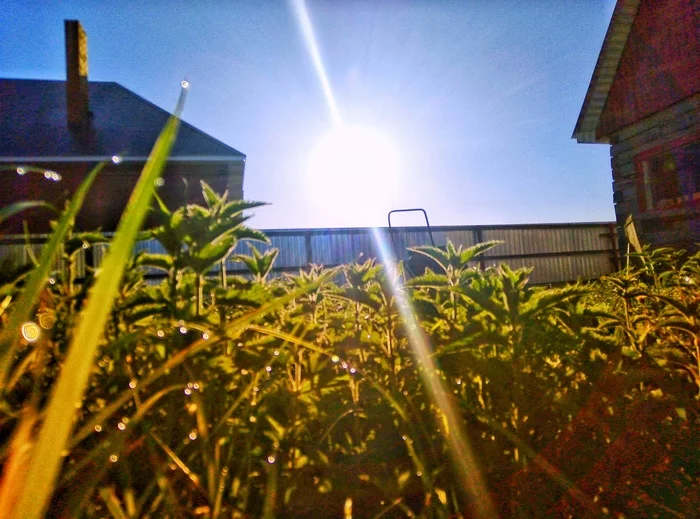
x=644, y=101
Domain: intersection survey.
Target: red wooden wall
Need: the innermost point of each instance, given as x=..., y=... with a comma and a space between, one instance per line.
x=660, y=64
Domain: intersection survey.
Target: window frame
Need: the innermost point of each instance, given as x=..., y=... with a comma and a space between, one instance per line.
x=643, y=186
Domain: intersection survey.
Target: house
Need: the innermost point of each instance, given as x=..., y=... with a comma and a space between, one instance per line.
x=644, y=101
x=65, y=128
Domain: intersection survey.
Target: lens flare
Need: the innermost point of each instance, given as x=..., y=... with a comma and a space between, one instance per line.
x=31, y=331
x=307, y=30
x=450, y=425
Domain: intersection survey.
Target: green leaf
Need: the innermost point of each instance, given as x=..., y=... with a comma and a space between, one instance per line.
x=279, y=429
x=158, y=261
x=210, y=196
x=18, y=207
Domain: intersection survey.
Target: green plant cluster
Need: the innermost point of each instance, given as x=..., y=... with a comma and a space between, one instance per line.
x=304, y=396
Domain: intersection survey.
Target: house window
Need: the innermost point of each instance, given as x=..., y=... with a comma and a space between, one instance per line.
x=669, y=178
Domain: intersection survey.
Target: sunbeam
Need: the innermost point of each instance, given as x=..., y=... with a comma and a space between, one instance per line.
x=307, y=30
x=460, y=451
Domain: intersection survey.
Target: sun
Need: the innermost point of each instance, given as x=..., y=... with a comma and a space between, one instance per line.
x=353, y=175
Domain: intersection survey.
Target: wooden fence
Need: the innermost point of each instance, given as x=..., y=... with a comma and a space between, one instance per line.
x=557, y=252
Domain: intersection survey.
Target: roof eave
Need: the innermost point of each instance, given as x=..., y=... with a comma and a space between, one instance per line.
x=604, y=72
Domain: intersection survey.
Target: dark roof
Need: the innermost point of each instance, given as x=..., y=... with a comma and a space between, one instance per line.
x=33, y=125
x=605, y=70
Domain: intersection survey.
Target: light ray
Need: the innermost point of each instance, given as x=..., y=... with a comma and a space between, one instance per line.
x=460, y=451
x=307, y=30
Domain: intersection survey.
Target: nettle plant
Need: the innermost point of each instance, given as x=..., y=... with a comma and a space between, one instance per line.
x=198, y=393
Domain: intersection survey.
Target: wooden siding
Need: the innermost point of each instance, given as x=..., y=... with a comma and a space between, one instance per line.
x=659, y=65
x=558, y=252
x=605, y=70
x=674, y=226
x=110, y=192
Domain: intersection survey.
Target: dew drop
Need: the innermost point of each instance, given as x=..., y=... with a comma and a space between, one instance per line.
x=193, y=435
x=268, y=368
x=270, y=459
x=132, y=384
x=47, y=174
x=160, y=333
x=121, y=426
x=188, y=391
x=113, y=458
x=276, y=353
x=335, y=358
x=98, y=428
x=21, y=171
x=159, y=182
x=195, y=386
x=185, y=84
x=253, y=419
x=183, y=329
x=116, y=159
x=205, y=336
x=52, y=281
x=352, y=370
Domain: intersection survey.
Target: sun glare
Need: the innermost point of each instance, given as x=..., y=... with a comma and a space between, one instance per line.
x=353, y=167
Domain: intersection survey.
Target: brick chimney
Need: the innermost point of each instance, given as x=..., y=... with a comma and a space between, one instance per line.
x=77, y=99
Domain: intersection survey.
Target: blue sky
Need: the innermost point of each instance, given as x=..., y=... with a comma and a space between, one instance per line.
x=477, y=98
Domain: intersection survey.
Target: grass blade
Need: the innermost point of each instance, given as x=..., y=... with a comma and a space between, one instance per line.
x=70, y=387
x=18, y=207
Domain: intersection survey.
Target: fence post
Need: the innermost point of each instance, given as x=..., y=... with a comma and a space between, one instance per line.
x=307, y=246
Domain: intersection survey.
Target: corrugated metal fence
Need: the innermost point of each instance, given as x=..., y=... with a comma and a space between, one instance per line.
x=558, y=252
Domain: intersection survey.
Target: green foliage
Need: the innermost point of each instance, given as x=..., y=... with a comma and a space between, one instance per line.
x=18, y=207
x=303, y=395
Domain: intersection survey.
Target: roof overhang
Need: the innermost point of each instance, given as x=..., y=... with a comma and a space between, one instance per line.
x=605, y=70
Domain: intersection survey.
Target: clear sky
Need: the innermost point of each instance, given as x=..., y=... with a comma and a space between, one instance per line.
x=464, y=108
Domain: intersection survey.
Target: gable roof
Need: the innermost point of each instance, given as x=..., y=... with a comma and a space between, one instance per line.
x=605, y=70
x=33, y=126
